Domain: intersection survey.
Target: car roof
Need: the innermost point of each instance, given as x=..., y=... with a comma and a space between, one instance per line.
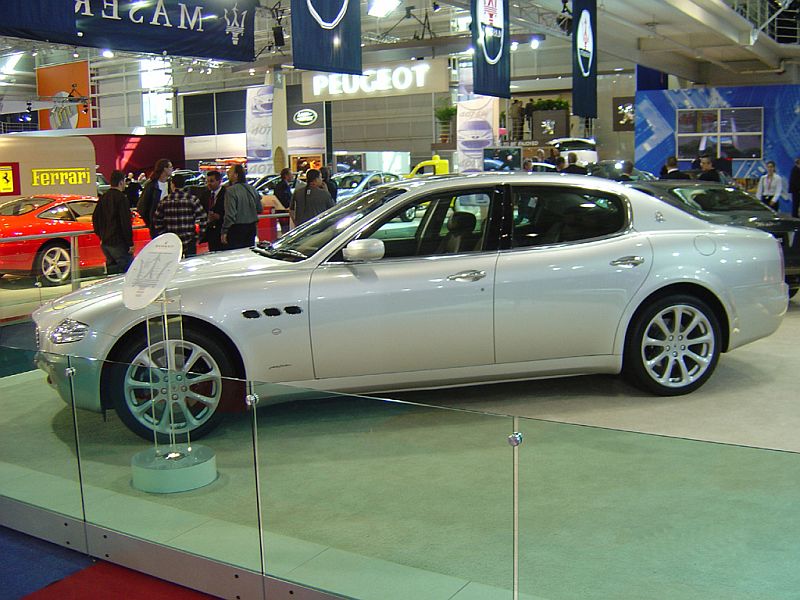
x=673, y=183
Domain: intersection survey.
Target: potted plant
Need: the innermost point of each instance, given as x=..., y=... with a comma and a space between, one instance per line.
x=445, y=113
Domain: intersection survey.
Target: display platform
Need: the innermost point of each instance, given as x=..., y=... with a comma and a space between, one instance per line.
x=361, y=497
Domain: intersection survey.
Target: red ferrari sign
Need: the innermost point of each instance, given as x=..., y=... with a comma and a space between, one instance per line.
x=9, y=179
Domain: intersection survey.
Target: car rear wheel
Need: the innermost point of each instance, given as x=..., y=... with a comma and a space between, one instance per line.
x=53, y=264
x=672, y=346
x=185, y=400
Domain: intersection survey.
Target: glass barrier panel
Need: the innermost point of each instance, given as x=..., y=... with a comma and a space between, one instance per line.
x=38, y=450
x=614, y=514
x=370, y=498
x=197, y=494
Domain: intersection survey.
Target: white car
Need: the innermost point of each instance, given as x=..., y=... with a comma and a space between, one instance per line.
x=498, y=277
x=585, y=149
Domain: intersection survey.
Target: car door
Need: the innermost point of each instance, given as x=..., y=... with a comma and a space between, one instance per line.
x=426, y=305
x=572, y=269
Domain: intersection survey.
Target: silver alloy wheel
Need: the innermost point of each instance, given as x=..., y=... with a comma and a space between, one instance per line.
x=54, y=264
x=678, y=346
x=177, y=401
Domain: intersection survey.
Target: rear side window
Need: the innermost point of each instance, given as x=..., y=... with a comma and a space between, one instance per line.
x=59, y=212
x=555, y=215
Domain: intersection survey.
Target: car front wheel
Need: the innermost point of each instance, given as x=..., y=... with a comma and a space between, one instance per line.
x=184, y=399
x=672, y=346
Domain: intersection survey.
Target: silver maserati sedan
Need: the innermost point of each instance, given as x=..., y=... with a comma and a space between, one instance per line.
x=497, y=277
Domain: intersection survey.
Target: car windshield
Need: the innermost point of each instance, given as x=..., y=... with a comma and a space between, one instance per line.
x=718, y=199
x=346, y=181
x=304, y=241
x=22, y=206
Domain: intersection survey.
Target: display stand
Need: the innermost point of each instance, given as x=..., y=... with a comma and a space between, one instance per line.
x=171, y=466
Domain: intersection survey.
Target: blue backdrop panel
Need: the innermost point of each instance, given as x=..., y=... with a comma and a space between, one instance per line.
x=656, y=124
x=584, y=58
x=491, y=41
x=326, y=35
x=215, y=29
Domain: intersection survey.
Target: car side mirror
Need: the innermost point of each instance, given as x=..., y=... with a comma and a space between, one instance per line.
x=364, y=250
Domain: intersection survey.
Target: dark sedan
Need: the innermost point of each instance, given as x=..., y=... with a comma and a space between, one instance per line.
x=728, y=205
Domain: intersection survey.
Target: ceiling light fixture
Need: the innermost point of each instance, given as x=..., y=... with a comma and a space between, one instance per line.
x=75, y=53
x=436, y=7
x=382, y=8
x=514, y=46
x=108, y=53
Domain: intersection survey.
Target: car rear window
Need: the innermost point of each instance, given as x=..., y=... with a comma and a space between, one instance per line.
x=717, y=199
x=22, y=206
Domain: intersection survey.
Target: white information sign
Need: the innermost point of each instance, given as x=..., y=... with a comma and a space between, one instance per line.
x=151, y=271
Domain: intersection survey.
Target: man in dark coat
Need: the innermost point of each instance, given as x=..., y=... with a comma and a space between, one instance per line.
x=709, y=173
x=573, y=166
x=283, y=189
x=794, y=186
x=111, y=221
x=212, y=199
x=310, y=199
x=671, y=170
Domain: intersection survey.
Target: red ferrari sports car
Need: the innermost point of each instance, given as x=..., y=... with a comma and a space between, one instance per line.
x=49, y=258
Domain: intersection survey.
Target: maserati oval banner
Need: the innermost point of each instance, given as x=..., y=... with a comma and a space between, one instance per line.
x=326, y=35
x=215, y=29
x=584, y=58
x=491, y=41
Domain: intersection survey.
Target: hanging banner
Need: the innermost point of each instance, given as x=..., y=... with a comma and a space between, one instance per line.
x=491, y=40
x=477, y=120
x=22, y=17
x=326, y=35
x=584, y=58
x=214, y=29
x=68, y=87
x=258, y=124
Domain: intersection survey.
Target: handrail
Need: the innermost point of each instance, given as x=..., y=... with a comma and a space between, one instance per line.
x=70, y=234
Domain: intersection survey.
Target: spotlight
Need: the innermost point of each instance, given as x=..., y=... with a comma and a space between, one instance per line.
x=277, y=34
x=535, y=43
x=29, y=107
x=75, y=53
x=190, y=69
x=514, y=46
x=34, y=52
x=436, y=7
x=252, y=71
x=409, y=14
x=85, y=108
x=108, y=53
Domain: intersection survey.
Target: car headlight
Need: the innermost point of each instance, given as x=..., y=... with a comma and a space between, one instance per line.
x=69, y=330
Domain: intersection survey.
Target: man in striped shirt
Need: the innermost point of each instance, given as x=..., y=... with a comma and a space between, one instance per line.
x=180, y=213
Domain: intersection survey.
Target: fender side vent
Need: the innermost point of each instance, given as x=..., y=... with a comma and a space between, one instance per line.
x=293, y=310
x=251, y=314
x=272, y=312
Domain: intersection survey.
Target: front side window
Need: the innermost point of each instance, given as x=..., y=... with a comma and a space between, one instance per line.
x=554, y=215
x=452, y=223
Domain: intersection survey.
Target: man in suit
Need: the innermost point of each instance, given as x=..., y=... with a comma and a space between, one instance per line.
x=709, y=173
x=672, y=171
x=212, y=199
x=573, y=166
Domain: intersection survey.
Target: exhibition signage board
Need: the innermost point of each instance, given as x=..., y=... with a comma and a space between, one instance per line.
x=491, y=40
x=584, y=58
x=214, y=29
x=477, y=123
x=66, y=84
x=151, y=271
x=258, y=124
x=391, y=79
x=9, y=179
x=326, y=35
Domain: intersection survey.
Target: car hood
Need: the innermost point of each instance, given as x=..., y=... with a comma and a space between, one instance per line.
x=203, y=270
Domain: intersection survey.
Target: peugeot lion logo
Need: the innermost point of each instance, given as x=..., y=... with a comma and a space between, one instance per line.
x=235, y=24
x=491, y=21
x=322, y=22
x=585, y=43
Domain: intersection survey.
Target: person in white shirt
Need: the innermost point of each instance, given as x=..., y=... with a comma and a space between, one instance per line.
x=770, y=187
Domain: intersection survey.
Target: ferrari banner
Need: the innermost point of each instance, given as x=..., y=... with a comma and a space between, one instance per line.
x=491, y=41
x=584, y=58
x=326, y=35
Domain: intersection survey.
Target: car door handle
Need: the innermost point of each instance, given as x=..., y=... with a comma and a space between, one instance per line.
x=627, y=261
x=467, y=276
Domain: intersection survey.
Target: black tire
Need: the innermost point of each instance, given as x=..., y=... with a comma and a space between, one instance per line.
x=408, y=215
x=52, y=264
x=207, y=361
x=793, y=292
x=681, y=349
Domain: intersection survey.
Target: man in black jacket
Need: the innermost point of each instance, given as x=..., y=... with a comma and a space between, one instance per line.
x=112, y=223
x=212, y=198
x=283, y=189
x=573, y=166
x=671, y=170
x=794, y=186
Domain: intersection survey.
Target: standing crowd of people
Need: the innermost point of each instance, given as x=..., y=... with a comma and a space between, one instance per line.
x=224, y=216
